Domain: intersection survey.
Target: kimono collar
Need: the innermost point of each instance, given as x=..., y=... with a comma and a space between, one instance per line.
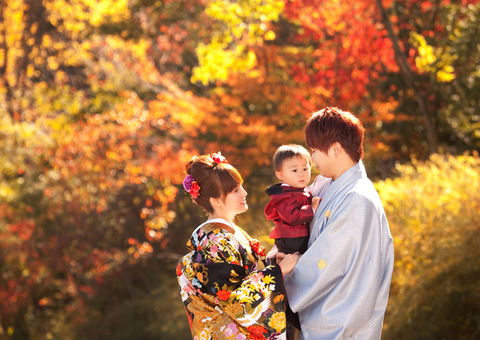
x=217, y=223
x=244, y=239
x=217, y=220
x=356, y=171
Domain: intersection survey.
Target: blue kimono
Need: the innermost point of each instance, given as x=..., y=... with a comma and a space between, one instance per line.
x=340, y=285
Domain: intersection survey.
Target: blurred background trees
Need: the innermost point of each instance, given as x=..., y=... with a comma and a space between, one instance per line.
x=103, y=101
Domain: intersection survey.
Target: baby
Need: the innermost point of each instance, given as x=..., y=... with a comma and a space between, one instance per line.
x=291, y=206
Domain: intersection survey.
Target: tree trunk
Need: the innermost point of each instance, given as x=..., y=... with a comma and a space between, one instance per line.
x=409, y=78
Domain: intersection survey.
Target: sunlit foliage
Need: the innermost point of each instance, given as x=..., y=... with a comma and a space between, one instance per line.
x=238, y=25
x=102, y=102
x=433, y=209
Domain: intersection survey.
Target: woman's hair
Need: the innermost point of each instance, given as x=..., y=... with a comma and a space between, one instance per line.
x=331, y=125
x=285, y=152
x=216, y=178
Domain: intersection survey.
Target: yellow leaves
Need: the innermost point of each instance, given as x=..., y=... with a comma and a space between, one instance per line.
x=245, y=23
x=446, y=74
x=217, y=61
x=426, y=55
x=114, y=11
x=269, y=36
x=76, y=16
x=13, y=26
x=5, y=192
x=433, y=60
x=431, y=206
x=52, y=63
x=236, y=13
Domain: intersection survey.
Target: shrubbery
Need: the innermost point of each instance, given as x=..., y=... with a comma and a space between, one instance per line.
x=434, y=214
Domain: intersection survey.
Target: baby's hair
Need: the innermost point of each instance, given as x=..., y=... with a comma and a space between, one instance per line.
x=285, y=152
x=215, y=180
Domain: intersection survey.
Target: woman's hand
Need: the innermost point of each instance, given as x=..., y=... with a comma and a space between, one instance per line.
x=271, y=256
x=287, y=261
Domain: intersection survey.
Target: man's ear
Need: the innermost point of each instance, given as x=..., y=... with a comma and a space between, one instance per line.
x=336, y=148
x=279, y=175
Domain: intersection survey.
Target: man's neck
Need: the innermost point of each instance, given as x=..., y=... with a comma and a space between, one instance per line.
x=344, y=163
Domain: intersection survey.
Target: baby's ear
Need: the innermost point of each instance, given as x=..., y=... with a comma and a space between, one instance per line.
x=279, y=175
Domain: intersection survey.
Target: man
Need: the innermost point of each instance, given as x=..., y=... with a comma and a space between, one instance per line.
x=340, y=285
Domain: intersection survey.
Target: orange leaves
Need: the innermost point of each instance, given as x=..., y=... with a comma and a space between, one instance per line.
x=138, y=249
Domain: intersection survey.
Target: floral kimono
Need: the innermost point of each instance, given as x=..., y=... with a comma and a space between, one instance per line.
x=227, y=292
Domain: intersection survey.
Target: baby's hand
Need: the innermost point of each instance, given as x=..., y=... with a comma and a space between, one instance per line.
x=316, y=202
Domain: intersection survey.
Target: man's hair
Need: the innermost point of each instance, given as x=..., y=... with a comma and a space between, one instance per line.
x=285, y=152
x=331, y=125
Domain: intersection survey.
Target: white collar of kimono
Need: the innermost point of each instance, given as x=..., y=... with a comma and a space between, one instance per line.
x=218, y=220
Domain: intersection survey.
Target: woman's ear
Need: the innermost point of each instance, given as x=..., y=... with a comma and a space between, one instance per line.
x=215, y=202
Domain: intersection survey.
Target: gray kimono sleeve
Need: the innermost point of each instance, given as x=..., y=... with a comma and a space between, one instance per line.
x=340, y=285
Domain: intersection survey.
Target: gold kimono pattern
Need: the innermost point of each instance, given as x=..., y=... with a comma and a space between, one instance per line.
x=226, y=290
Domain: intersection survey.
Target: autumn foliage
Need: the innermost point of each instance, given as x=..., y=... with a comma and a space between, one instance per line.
x=434, y=214
x=102, y=103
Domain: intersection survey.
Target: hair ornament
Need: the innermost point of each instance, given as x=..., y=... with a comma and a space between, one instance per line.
x=191, y=186
x=218, y=158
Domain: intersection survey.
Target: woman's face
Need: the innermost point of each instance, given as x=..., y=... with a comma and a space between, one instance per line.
x=235, y=202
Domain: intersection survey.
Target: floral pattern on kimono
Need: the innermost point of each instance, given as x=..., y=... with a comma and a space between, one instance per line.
x=227, y=291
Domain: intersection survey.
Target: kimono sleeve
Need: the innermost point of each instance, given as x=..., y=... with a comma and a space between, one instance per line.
x=335, y=286
x=226, y=272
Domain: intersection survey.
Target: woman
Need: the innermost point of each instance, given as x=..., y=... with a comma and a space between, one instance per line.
x=227, y=290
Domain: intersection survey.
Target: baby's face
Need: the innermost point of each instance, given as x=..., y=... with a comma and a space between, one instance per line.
x=295, y=172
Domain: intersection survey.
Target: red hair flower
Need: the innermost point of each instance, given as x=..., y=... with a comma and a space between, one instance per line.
x=218, y=158
x=194, y=189
x=191, y=186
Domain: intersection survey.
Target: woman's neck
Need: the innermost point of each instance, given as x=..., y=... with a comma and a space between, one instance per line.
x=229, y=219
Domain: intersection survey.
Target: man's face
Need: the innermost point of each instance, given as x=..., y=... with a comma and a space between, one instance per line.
x=323, y=161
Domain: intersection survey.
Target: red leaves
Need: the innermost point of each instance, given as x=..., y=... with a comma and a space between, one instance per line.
x=23, y=230
x=348, y=47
